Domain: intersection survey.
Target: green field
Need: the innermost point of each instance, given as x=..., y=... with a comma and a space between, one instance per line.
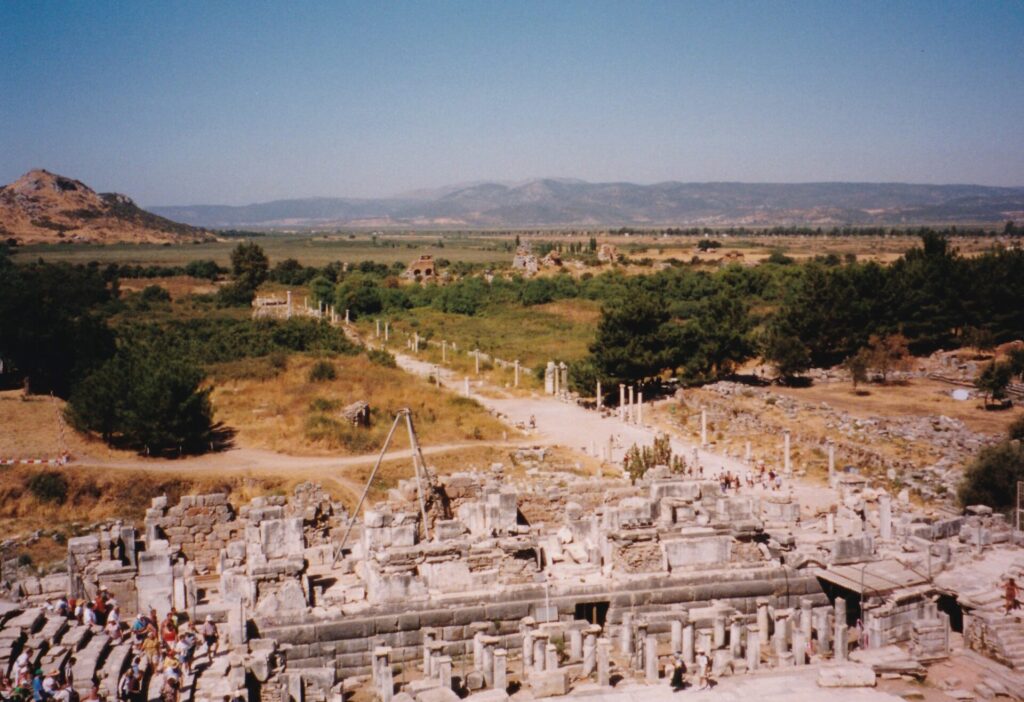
x=309, y=250
x=534, y=335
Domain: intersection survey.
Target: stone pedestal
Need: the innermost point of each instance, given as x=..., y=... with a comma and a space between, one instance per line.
x=604, y=661
x=651, y=659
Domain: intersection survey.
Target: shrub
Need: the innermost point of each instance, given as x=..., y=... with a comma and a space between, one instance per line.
x=321, y=371
x=154, y=293
x=322, y=404
x=381, y=358
x=1016, y=430
x=48, y=487
x=992, y=478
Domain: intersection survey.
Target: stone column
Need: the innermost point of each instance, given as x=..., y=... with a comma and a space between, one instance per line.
x=753, y=650
x=823, y=629
x=640, y=408
x=377, y=334
x=288, y=302
x=762, y=616
x=500, y=669
x=598, y=398
x=677, y=637
x=589, y=654
x=346, y=316
x=622, y=401
x=527, y=651
x=831, y=462
x=885, y=517
x=703, y=427
x=444, y=671
x=718, y=639
x=840, y=605
x=640, y=641
x=488, y=661
x=550, y=657
x=746, y=453
x=387, y=329
x=540, y=647
x=575, y=644
x=799, y=647
x=840, y=643
x=632, y=399
x=736, y=637
x=688, y=656
x=465, y=382
x=806, y=626
x=385, y=681
x=626, y=635
x=604, y=646
x=830, y=524
x=516, y=382
x=651, y=659
x=786, y=459
x=444, y=351
x=476, y=356
x=478, y=651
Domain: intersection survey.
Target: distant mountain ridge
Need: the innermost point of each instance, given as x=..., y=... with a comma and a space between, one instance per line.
x=565, y=202
x=45, y=207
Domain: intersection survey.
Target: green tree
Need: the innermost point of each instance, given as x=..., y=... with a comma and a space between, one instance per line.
x=322, y=290
x=787, y=354
x=1016, y=361
x=360, y=294
x=992, y=478
x=249, y=265
x=635, y=340
x=993, y=380
x=888, y=354
x=145, y=398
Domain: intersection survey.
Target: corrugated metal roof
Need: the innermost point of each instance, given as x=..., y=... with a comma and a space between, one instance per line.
x=875, y=577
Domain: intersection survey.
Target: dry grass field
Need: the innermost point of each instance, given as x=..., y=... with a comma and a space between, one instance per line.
x=290, y=414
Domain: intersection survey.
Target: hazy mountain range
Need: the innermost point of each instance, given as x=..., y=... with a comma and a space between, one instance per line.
x=557, y=202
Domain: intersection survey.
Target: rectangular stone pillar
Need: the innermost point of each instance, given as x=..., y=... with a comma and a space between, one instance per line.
x=487, y=664
x=840, y=643
x=527, y=651
x=500, y=669
x=540, y=647
x=762, y=617
x=651, y=659
x=831, y=462
x=478, y=651
x=444, y=671
x=823, y=629
x=385, y=680
x=806, y=605
x=677, y=637
x=787, y=460
x=604, y=647
x=626, y=635
x=703, y=427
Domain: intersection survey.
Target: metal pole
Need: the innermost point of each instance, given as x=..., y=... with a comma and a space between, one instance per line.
x=366, y=490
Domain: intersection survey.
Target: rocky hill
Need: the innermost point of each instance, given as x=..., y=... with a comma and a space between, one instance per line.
x=43, y=207
x=555, y=202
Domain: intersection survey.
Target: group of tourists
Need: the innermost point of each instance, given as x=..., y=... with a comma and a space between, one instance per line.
x=166, y=647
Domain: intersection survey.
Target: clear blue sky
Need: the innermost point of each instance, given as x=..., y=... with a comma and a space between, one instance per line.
x=223, y=102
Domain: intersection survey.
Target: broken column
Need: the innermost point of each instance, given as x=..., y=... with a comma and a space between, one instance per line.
x=786, y=458
x=885, y=517
x=604, y=646
x=840, y=643
x=490, y=643
x=799, y=647
x=806, y=604
x=831, y=462
x=736, y=637
x=823, y=629
x=429, y=636
x=753, y=650
x=550, y=657
x=589, y=653
x=516, y=381
x=703, y=427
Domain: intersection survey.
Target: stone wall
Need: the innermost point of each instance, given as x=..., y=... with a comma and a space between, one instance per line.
x=199, y=526
x=347, y=641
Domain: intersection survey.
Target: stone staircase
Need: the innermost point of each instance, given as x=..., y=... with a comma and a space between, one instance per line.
x=996, y=635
